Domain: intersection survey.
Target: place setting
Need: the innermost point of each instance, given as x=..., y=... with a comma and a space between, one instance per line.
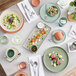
x=26, y=48
x=50, y=12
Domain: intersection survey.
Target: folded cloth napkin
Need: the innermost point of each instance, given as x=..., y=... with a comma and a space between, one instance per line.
x=39, y=70
x=63, y=3
x=27, y=10
x=72, y=32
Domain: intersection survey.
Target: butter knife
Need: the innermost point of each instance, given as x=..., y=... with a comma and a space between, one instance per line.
x=25, y=12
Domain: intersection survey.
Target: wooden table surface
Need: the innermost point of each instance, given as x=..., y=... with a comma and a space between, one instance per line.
x=2, y=73
x=4, y=4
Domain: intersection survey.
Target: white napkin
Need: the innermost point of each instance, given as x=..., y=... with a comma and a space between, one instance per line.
x=38, y=59
x=63, y=3
x=72, y=32
x=34, y=16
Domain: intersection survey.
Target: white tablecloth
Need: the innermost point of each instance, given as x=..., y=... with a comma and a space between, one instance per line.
x=10, y=68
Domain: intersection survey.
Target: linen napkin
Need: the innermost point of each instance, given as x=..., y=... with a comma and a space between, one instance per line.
x=28, y=12
x=63, y=3
x=72, y=32
x=40, y=66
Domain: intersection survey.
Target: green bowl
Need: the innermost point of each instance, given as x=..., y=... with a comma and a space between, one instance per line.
x=48, y=12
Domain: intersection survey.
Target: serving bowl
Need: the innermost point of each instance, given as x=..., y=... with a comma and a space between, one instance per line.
x=52, y=11
x=9, y=12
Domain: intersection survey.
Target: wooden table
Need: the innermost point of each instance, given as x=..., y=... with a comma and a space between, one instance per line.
x=2, y=72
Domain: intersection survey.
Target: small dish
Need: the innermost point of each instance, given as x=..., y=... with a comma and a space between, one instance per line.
x=16, y=40
x=40, y=25
x=21, y=74
x=35, y=3
x=52, y=11
x=58, y=41
x=16, y=52
x=4, y=40
x=33, y=48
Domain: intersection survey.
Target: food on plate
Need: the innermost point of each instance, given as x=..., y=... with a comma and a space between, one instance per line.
x=52, y=11
x=56, y=59
x=59, y=35
x=36, y=37
x=11, y=21
x=34, y=48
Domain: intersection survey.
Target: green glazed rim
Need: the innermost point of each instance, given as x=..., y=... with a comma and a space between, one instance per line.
x=54, y=39
x=58, y=68
x=49, y=18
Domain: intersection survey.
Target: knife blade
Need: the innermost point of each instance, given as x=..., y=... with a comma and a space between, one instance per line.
x=25, y=12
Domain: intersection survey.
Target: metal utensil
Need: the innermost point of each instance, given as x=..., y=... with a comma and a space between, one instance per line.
x=25, y=12
x=19, y=54
x=31, y=13
x=74, y=32
x=35, y=66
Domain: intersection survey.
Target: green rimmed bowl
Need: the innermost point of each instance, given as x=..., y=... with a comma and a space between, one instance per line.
x=51, y=11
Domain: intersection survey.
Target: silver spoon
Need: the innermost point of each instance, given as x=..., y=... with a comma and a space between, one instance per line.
x=34, y=65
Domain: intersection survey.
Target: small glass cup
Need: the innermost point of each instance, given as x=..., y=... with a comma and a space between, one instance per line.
x=62, y=21
x=22, y=65
x=3, y=40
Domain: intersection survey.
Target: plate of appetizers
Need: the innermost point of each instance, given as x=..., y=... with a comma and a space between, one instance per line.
x=58, y=36
x=50, y=12
x=11, y=21
x=55, y=59
x=37, y=36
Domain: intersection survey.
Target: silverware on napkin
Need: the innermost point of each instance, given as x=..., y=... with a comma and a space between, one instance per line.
x=31, y=13
x=25, y=12
x=35, y=66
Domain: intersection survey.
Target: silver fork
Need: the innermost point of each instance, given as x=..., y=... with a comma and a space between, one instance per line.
x=32, y=13
x=25, y=12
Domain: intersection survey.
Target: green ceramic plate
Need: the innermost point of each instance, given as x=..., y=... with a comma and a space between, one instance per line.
x=46, y=17
x=54, y=39
x=47, y=61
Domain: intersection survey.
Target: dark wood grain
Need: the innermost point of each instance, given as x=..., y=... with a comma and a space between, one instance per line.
x=2, y=72
x=4, y=4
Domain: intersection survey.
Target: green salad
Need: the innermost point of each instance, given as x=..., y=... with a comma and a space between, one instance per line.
x=11, y=21
x=52, y=11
